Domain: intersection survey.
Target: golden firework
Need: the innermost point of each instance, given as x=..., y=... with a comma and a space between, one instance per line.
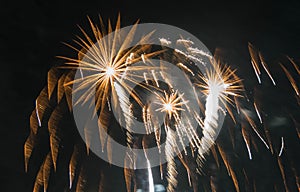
x=171, y=103
x=106, y=59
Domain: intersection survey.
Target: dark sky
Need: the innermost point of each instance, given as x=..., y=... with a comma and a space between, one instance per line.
x=32, y=33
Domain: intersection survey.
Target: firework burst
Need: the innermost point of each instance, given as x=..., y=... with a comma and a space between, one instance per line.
x=106, y=69
x=107, y=60
x=222, y=83
x=171, y=104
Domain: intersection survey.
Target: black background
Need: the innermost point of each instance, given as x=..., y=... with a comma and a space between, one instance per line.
x=32, y=32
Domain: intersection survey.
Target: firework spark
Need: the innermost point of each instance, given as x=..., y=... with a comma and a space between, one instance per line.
x=291, y=79
x=254, y=61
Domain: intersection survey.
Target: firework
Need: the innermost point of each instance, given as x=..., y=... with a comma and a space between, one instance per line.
x=106, y=61
x=106, y=64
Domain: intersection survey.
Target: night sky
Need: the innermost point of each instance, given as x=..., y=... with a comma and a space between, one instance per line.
x=32, y=33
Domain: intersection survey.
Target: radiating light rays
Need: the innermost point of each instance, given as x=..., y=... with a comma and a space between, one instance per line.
x=171, y=104
x=173, y=108
x=223, y=84
x=106, y=60
x=223, y=80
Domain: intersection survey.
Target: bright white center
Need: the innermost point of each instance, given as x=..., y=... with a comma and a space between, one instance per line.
x=168, y=106
x=110, y=71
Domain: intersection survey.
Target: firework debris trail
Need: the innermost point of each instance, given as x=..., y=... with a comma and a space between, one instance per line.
x=54, y=145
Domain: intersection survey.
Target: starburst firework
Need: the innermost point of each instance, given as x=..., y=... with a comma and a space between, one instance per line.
x=107, y=60
x=171, y=104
